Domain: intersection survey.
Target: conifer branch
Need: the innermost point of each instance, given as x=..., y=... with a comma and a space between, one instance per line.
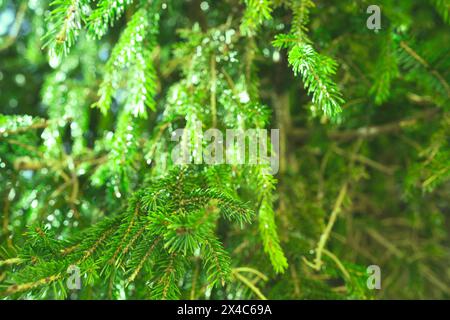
x=105, y=14
x=66, y=20
x=101, y=192
x=11, y=261
x=266, y=223
x=425, y=64
x=30, y=285
x=141, y=263
x=315, y=69
x=257, y=11
x=133, y=51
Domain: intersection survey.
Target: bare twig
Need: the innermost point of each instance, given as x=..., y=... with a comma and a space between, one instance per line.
x=317, y=264
x=20, y=15
x=249, y=284
x=426, y=65
x=371, y=131
x=364, y=160
x=213, y=91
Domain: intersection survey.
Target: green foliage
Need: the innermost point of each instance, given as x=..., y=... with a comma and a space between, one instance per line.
x=443, y=8
x=167, y=223
x=256, y=12
x=92, y=95
x=65, y=24
x=386, y=72
x=266, y=220
x=133, y=54
x=316, y=71
x=105, y=14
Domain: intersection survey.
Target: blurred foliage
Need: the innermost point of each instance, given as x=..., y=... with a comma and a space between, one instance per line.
x=91, y=93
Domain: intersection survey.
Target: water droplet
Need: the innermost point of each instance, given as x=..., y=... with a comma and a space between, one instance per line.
x=244, y=97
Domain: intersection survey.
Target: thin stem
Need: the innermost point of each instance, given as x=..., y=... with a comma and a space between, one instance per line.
x=30, y=285
x=213, y=91
x=426, y=65
x=249, y=284
x=364, y=160
x=254, y=271
x=11, y=261
x=141, y=263
x=194, y=282
x=326, y=233
x=18, y=21
x=338, y=263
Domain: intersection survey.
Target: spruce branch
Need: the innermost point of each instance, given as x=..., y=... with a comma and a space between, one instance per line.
x=426, y=65
x=10, y=261
x=30, y=285
x=133, y=52
x=257, y=11
x=386, y=71
x=105, y=15
x=301, y=11
x=266, y=220
x=175, y=227
x=443, y=8
x=143, y=260
x=316, y=70
x=66, y=20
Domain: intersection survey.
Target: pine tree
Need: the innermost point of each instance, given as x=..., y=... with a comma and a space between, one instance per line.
x=92, y=95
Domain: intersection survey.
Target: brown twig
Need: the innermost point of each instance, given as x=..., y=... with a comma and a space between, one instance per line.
x=371, y=131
